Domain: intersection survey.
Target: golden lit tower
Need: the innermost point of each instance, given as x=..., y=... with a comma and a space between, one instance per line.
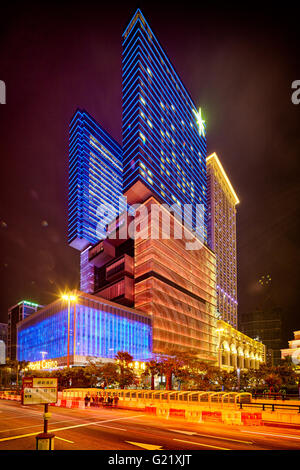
x=222, y=200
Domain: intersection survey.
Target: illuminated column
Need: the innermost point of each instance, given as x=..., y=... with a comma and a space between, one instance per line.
x=70, y=298
x=234, y=360
x=242, y=361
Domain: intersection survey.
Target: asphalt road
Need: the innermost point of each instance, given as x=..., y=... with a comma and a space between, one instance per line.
x=113, y=429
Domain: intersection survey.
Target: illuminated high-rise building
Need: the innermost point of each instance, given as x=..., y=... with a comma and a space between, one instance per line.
x=176, y=286
x=17, y=313
x=164, y=143
x=95, y=180
x=222, y=201
x=162, y=276
x=3, y=342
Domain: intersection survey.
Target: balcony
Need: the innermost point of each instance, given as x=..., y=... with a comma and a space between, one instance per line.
x=121, y=291
x=101, y=253
x=120, y=268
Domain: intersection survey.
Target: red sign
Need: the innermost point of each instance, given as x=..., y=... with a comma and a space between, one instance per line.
x=27, y=382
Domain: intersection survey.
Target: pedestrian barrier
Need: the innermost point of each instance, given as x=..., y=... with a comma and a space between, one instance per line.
x=186, y=397
x=163, y=412
x=250, y=419
x=231, y=417
x=151, y=410
x=9, y=396
x=257, y=419
x=81, y=405
x=176, y=413
x=195, y=416
x=213, y=416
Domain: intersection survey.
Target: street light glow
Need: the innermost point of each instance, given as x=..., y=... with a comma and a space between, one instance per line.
x=69, y=297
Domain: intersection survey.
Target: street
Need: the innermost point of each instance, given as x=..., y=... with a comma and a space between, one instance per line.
x=113, y=429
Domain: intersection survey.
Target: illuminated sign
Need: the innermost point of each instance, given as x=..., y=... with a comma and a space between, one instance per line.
x=137, y=365
x=32, y=304
x=42, y=365
x=200, y=122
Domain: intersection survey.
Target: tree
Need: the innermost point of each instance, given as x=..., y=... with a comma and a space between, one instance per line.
x=287, y=372
x=151, y=369
x=273, y=381
x=176, y=364
x=12, y=372
x=126, y=375
x=108, y=374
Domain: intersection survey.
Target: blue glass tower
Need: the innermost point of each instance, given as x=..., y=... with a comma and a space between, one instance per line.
x=164, y=144
x=95, y=179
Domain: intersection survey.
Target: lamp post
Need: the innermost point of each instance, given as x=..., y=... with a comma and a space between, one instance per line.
x=43, y=353
x=238, y=371
x=70, y=298
x=219, y=330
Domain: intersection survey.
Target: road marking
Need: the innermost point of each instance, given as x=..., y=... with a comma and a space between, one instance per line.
x=225, y=438
x=36, y=425
x=70, y=427
x=144, y=446
x=189, y=433
x=61, y=439
x=19, y=437
x=270, y=434
x=111, y=427
x=202, y=445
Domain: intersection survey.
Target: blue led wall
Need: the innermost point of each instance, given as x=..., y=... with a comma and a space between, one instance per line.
x=95, y=179
x=163, y=144
x=102, y=329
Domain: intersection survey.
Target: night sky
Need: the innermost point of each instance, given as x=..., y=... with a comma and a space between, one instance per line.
x=238, y=65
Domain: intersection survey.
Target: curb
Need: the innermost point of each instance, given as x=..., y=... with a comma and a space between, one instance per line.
x=277, y=424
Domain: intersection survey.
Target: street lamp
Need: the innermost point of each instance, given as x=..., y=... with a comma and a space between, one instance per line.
x=238, y=377
x=219, y=330
x=70, y=298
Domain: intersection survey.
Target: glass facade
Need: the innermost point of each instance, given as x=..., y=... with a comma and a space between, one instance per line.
x=86, y=273
x=178, y=288
x=164, y=143
x=16, y=314
x=102, y=329
x=95, y=180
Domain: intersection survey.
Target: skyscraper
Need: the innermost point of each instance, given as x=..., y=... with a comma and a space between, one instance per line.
x=162, y=162
x=17, y=313
x=3, y=342
x=265, y=323
x=164, y=144
x=95, y=180
x=222, y=200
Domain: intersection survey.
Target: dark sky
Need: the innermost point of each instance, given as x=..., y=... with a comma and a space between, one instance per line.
x=238, y=65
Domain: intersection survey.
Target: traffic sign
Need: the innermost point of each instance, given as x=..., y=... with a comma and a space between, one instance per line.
x=39, y=390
